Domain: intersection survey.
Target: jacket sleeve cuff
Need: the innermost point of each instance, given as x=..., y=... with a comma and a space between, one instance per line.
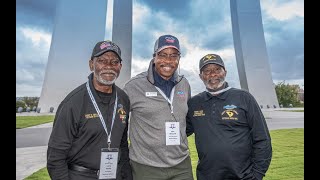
x=257, y=175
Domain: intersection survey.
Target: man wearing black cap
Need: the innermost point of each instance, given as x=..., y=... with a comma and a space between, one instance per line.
x=89, y=135
x=231, y=134
x=158, y=97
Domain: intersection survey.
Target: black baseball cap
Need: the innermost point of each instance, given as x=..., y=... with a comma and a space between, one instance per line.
x=166, y=41
x=105, y=46
x=211, y=59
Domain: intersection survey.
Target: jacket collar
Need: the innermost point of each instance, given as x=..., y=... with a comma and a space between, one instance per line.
x=223, y=95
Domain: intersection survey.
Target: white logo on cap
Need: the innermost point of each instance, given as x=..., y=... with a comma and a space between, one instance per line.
x=170, y=39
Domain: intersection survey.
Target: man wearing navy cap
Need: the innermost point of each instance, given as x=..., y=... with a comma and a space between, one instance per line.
x=89, y=134
x=158, y=101
x=231, y=134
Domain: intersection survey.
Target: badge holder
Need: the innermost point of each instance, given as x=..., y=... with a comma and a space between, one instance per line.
x=108, y=163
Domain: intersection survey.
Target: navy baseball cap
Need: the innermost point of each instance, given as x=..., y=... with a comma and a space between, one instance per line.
x=105, y=46
x=211, y=59
x=166, y=41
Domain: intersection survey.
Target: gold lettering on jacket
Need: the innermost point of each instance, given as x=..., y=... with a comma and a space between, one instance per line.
x=198, y=113
x=90, y=116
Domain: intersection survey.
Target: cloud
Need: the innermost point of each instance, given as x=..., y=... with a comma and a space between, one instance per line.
x=202, y=27
x=283, y=11
x=206, y=26
x=38, y=13
x=139, y=66
x=25, y=89
x=36, y=36
x=32, y=46
x=283, y=23
x=32, y=50
x=179, y=9
x=24, y=75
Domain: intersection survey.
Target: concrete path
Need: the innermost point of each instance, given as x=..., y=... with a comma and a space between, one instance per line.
x=31, y=143
x=29, y=160
x=31, y=149
x=284, y=119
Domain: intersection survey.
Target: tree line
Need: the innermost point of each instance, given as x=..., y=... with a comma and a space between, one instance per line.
x=27, y=102
x=288, y=95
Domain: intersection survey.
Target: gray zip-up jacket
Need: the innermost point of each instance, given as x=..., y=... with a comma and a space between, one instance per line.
x=149, y=113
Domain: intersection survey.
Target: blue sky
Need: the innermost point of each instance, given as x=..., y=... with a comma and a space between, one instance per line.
x=202, y=27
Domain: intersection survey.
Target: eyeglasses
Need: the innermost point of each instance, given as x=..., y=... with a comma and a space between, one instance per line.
x=112, y=62
x=172, y=57
x=214, y=71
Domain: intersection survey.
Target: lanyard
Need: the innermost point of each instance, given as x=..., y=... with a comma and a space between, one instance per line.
x=170, y=101
x=100, y=115
x=220, y=91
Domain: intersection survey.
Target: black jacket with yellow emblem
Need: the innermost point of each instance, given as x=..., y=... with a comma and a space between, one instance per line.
x=78, y=135
x=231, y=135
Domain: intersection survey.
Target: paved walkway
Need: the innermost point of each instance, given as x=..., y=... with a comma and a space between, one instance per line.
x=31, y=159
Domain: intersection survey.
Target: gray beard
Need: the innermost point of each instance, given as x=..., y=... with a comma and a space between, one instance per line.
x=103, y=81
x=206, y=83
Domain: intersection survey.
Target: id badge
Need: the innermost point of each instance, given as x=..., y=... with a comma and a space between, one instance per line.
x=108, y=163
x=172, y=133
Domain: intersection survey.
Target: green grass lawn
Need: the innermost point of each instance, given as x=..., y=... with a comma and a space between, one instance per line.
x=288, y=155
x=287, y=160
x=27, y=121
x=42, y=174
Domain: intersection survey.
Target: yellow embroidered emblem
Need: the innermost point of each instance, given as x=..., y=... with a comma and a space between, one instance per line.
x=209, y=57
x=198, y=113
x=229, y=114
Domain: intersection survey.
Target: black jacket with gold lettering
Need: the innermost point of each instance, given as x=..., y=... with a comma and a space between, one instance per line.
x=231, y=135
x=78, y=135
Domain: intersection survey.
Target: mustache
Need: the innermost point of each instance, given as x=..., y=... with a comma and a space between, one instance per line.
x=211, y=80
x=109, y=72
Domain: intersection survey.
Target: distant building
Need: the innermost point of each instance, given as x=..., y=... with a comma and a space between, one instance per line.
x=301, y=95
x=300, y=92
